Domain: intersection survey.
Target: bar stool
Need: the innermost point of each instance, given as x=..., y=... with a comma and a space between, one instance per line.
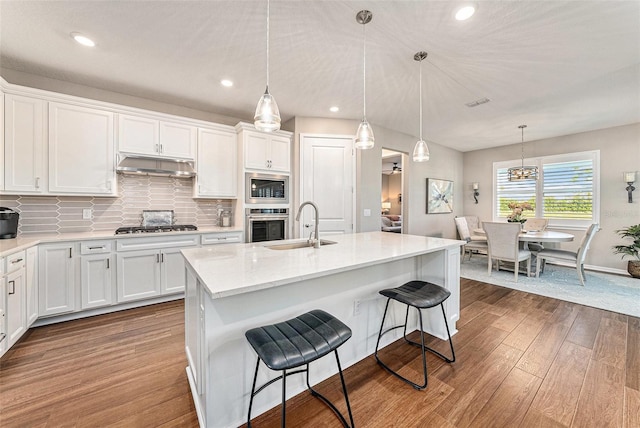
x=295, y=343
x=420, y=295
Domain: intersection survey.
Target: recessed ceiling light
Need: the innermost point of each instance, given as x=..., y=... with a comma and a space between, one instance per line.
x=83, y=40
x=334, y=109
x=226, y=82
x=465, y=12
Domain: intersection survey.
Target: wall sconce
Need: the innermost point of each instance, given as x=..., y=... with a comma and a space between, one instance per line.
x=399, y=198
x=386, y=207
x=630, y=178
x=476, y=186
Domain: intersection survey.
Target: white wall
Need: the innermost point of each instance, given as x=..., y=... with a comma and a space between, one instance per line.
x=619, y=152
x=445, y=163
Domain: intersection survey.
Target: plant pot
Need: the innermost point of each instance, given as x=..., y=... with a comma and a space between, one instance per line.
x=633, y=267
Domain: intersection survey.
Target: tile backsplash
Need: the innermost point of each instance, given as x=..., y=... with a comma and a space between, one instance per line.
x=63, y=214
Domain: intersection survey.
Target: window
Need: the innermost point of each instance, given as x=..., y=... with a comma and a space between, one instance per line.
x=567, y=192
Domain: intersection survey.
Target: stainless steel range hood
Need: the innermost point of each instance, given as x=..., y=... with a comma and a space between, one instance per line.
x=154, y=166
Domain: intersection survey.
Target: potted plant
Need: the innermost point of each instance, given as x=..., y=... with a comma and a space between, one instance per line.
x=631, y=250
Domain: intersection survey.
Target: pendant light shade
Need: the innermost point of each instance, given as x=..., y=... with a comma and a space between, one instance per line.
x=421, y=150
x=364, y=137
x=267, y=117
x=522, y=172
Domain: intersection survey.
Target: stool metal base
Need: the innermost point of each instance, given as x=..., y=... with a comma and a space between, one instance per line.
x=421, y=345
x=314, y=393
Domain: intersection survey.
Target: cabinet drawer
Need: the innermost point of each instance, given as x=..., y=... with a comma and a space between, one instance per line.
x=221, y=238
x=96, y=247
x=15, y=261
x=132, y=244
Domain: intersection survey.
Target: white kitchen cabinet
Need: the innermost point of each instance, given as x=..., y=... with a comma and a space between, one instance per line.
x=57, y=267
x=1, y=151
x=81, y=150
x=31, y=278
x=265, y=151
x=97, y=277
x=16, y=298
x=217, y=164
x=218, y=238
x=25, y=148
x=149, y=267
x=3, y=312
x=138, y=135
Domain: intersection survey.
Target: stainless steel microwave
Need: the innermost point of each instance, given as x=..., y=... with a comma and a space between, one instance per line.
x=266, y=189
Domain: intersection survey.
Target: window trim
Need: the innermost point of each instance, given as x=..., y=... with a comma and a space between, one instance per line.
x=594, y=155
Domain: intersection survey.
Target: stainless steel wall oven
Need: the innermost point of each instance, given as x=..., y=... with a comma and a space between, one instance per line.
x=267, y=224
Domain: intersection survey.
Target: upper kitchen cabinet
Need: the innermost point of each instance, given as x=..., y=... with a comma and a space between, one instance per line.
x=81, y=150
x=217, y=164
x=25, y=148
x=2, y=139
x=264, y=151
x=138, y=135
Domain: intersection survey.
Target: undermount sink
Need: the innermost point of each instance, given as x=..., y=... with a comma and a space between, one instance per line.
x=301, y=244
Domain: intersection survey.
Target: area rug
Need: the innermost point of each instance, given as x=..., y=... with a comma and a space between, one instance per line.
x=615, y=293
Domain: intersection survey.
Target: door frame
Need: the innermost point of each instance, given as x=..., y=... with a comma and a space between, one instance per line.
x=301, y=175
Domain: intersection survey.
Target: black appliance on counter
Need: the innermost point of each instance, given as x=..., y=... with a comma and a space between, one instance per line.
x=8, y=223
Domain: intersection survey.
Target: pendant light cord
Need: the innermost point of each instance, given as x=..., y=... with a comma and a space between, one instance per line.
x=522, y=146
x=268, y=15
x=364, y=73
x=420, y=100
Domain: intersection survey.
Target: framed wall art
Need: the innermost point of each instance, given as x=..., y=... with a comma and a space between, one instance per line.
x=439, y=196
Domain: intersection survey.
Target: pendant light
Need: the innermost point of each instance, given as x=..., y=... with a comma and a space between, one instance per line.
x=364, y=136
x=267, y=117
x=421, y=150
x=522, y=173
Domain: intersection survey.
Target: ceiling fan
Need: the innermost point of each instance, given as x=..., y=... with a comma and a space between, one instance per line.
x=394, y=170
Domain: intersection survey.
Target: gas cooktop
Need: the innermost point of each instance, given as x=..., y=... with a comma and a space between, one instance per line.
x=156, y=229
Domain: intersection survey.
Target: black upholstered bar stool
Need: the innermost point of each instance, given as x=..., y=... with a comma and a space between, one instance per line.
x=420, y=295
x=295, y=343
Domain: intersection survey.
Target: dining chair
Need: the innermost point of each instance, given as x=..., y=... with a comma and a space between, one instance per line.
x=474, y=243
x=502, y=240
x=535, y=224
x=576, y=257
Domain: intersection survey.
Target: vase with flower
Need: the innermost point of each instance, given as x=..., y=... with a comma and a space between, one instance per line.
x=517, y=210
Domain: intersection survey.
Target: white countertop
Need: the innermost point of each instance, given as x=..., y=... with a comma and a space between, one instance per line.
x=22, y=242
x=232, y=269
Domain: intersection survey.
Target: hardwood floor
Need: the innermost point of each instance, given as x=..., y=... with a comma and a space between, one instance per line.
x=522, y=360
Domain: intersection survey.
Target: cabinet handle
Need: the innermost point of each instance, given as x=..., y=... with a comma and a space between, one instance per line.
x=13, y=287
x=17, y=260
x=97, y=248
x=157, y=148
x=162, y=258
x=108, y=264
x=70, y=253
x=37, y=182
x=161, y=149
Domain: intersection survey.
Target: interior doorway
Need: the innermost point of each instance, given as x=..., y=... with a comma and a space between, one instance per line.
x=391, y=201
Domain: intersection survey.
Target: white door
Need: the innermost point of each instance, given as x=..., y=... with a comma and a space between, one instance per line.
x=172, y=274
x=96, y=280
x=138, y=135
x=256, y=150
x=56, y=279
x=16, y=306
x=217, y=164
x=280, y=154
x=138, y=275
x=177, y=140
x=327, y=169
x=81, y=150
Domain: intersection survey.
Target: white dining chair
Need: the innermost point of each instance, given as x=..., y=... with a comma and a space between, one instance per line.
x=576, y=257
x=535, y=224
x=502, y=240
x=474, y=243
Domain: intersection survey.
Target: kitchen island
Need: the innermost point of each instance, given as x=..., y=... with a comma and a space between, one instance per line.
x=236, y=287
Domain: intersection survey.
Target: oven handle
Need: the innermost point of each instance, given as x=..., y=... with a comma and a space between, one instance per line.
x=267, y=217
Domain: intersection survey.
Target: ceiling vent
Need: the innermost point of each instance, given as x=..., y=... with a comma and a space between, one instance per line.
x=478, y=102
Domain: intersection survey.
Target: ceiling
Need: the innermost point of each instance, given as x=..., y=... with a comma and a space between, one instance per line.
x=561, y=67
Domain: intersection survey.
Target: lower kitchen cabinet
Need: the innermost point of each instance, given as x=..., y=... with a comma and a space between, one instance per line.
x=138, y=275
x=16, y=306
x=31, y=279
x=97, y=280
x=3, y=311
x=57, y=278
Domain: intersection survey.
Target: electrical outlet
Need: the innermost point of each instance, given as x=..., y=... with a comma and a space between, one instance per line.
x=87, y=214
x=367, y=212
x=356, y=307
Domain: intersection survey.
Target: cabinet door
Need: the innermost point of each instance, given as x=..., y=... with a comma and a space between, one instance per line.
x=177, y=140
x=24, y=144
x=81, y=150
x=256, y=151
x=172, y=271
x=217, y=164
x=138, y=135
x=16, y=306
x=2, y=146
x=31, y=278
x=280, y=154
x=96, y=280
x=56, y=279
x=138, y=274
x=3, y=315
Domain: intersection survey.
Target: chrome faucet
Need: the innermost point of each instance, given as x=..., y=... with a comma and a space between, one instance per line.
x=316, y=243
